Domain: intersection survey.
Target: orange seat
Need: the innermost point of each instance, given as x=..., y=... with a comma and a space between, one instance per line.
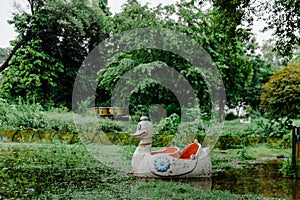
x=169, y=150
x=172, y=151
x=189, y=150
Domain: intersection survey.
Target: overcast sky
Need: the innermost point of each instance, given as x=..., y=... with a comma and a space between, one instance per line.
x=7, y=32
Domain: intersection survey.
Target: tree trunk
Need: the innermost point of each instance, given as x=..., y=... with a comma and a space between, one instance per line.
x=12, y=53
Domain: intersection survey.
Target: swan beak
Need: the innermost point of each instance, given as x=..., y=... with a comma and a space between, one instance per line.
x=138, y=134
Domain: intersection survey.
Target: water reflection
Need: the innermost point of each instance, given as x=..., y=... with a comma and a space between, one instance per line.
x=260, y=179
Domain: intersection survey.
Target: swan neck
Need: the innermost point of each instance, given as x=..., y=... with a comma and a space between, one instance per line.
x=145, y=140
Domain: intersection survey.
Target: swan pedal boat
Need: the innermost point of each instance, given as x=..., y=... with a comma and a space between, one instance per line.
x=193, y=161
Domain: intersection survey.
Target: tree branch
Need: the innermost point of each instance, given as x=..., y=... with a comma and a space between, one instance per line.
x=12, y=53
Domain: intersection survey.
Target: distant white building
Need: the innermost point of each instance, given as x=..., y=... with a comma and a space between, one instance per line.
x=240, y=110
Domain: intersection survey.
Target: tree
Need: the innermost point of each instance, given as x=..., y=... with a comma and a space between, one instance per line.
x=133, y=15
x=65, y=31
x=253, y=89
x=269, y=55
x=281, y=97
x=221, y=33
x=103, y=6
x=32, y=75
x=283, y=18
x=226, y=42
x=147, y=92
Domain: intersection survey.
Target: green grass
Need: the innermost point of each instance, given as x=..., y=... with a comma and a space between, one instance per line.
x=60, y=171
x=234, y=158
x=262, y=151
x=156, y=190
x=259, y=152
x=236, y=128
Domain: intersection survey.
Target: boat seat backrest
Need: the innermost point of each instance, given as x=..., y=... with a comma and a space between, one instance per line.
x=191, y=149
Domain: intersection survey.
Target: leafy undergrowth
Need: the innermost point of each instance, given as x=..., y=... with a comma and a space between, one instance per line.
x=60, y=171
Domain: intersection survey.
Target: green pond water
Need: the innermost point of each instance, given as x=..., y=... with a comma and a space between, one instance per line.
x=261, y=179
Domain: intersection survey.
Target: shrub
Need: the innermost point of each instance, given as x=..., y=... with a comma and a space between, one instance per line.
x=109, y=126
x=281, y=94
x=21, y=116
x=278, y=128
x=287, y=169
x=170, y=124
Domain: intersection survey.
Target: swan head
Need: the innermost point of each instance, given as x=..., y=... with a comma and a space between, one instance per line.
x=144, y=129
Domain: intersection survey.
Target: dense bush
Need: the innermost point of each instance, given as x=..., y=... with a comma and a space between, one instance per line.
x=275, y=128
x=287, y=169
x=170, y=124
x=24, y=116
x=281, y=97
x=108, y=126
x=21, y=116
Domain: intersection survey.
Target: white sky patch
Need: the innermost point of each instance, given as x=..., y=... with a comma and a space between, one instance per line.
x=7, y=32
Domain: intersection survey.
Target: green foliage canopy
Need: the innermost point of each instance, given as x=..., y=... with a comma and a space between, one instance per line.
x=32, y=75
x=56, y=37
x=230, y=46
x=283, y=18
